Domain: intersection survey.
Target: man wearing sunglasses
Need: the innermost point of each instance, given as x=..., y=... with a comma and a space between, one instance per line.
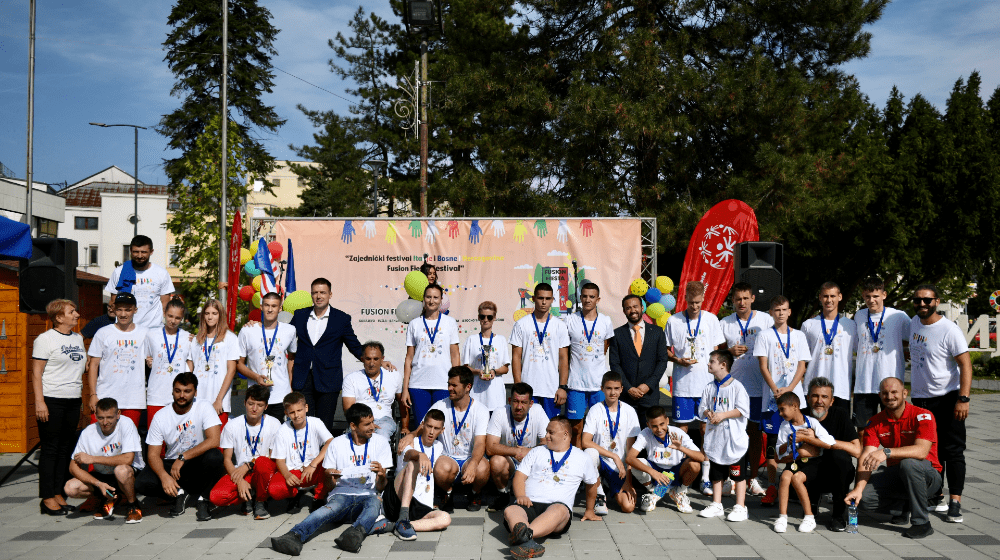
x=941, y=382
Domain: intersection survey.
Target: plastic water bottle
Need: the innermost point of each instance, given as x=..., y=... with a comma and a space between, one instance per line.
x=852, y=518
x=661, y=489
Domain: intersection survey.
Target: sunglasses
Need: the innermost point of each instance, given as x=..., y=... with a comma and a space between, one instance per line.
x=923, y=300
x=485, y=317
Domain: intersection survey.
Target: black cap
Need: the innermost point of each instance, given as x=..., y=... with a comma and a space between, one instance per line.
x=125, y=298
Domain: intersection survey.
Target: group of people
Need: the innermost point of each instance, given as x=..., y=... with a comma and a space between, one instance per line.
x=518, y=424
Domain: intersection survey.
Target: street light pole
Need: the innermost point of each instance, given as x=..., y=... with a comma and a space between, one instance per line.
x=223, y=211
x=135, y=175
x=376, y=166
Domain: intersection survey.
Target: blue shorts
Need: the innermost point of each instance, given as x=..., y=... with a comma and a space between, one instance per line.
x=611, y=478
x=461, y=463
x=577, y=403
x=549, y=405
x=770, y=422
x=756, y=403
x=423, y=399
x=686, y=409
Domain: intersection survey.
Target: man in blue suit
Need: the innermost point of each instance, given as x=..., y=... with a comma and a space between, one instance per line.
x=638, y=352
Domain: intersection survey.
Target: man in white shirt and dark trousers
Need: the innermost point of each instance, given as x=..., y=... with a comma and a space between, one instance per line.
x=941, y=381
x=192, y=463
x=375, y=387
x=831, y=339
x=149, y=283
x=540, y=352
x=883, y=333
x=512, y=432
x=355, y=470
x=545, y=488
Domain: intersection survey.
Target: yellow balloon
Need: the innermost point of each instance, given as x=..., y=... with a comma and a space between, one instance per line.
x=256, y=299
x=297, y=300
x=664, y=284
x=662, y=321
x=639, y=287
x=519, y=314
x=655, y=311
x=256, y=282
x=245, y=255
x=414, y=284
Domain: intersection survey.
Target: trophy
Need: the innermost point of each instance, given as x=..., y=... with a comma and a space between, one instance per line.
x=487, y=353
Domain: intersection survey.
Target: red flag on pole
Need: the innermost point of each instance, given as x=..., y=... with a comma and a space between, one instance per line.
x=235, y=244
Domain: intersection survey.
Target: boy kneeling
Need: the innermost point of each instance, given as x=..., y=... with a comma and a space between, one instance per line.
x=673, y=461
x=801, y=458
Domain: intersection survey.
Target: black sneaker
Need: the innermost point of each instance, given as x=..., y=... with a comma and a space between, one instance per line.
x=180, y=504
x=499, y=502
x=448, y=506
x=202, y=509
x=919, y=531
x=954, y=512
x=289, y=544
x=901, y=519
x=351, y=539
x=475, y=502
x=293, y=504
x=836, y=525
x=521, y=533
x=529, y=549
x=246, y=508
x=260, y=511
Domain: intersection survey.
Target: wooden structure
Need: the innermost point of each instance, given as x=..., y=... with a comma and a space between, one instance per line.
x=18, y=426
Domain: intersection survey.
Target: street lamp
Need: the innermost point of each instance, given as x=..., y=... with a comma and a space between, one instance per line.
x=376, y=165
x=135, y=176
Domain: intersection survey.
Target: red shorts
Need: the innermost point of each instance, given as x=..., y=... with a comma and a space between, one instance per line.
x=279, y=489
x=225, y=493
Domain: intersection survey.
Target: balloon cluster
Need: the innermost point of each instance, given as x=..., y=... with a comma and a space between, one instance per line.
x=251, y=292
x=412, y=307
x=657, y=302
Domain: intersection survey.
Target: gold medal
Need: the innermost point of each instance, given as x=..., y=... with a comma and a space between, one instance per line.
x=804, y=459
x=613, y=445
x=590, y=348
x=170, y=369
x=433, y=349
x=364, y=480
x=456, y=441
x=208, y=367
x=428, y=489
x=794, y=467
x=555, y=477
x=828, y=351
x=876, y=349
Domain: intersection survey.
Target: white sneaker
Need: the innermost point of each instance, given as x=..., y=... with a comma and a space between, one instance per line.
x=601, y=505
x=781, y=524
x=679, y=495
x=940, y=508
x=647, y=502
x=808, y=524
x=739, y=513
x=706, y=489
x=755, y=488
x=729, y=488
x=715, y=509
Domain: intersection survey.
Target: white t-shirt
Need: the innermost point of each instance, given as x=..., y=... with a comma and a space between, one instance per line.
x=249, y=442
x=933, y=349
x=782, y=369
x=541, y=485
x=540, y=362
x=431, y=362
x=122, y=372
x=872, y=367
x=786, y=429
x=690, y=380
x=531, y=430
x=726, y=442
x=586, y=357
x=149, y=285
x=387, y=385
x=473, y=427
x=251, y=347
x=160, y=385
x=837, y=367
x=354, y=463
x=220, y=353
x=299, y=447
x=658, y=453
x=490, y=393
x=65, y=362
x=746, y=368
x=423, y=492
x=596, y=424
x=124, y=439
x=180, y=432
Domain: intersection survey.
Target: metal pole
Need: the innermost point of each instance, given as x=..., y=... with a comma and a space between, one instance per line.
x=31, y=114
x=135, y=229
x=375, y=194
x=423, y=125
x=223, y=212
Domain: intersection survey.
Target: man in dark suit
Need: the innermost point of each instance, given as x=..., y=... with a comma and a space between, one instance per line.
x=639, y=353
x=322, y=334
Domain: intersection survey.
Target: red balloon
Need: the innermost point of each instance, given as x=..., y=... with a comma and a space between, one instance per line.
x=648, y=319
x=254, y=315
x=246, y=293
x=276, y=249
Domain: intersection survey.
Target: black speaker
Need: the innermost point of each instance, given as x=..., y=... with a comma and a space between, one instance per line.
x=760, y=264
x=49, y=274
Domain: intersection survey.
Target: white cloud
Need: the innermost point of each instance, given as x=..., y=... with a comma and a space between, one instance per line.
x=524, y=267
x=554, y=253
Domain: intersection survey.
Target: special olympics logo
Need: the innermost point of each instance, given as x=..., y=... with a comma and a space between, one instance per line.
x=717, y=252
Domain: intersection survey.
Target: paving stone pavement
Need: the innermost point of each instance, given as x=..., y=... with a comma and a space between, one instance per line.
x=664, y=533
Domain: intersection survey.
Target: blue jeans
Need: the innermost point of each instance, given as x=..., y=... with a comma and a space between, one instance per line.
x=363, y=509
x=423, y=399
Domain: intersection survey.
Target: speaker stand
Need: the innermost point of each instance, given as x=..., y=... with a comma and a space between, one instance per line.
x=22, y=461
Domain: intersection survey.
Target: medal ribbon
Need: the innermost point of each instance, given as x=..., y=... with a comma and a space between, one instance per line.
x=428, y=330
x=871, y=327
x=454, y=419
x=274, y=337
x=353, y=454
x=795, y=450
x=170, y=355
x=718, y=387
x=592, y=327
x=828, y=338
x=206, y=350
x=485, y=365
x=305, y=440
x=513, y=427
x=787, y=347
x=421, y=440
x=541, y=335
x=253, y=444
x=375, y=394
x=556, y=465
x=697, y=326
x=613, y=428
x=743, y=330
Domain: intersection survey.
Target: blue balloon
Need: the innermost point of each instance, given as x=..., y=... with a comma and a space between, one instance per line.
x=668, y=302
x=653, y=295
x=251, y=269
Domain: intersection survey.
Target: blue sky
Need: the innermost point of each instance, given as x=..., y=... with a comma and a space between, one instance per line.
x=101, y=61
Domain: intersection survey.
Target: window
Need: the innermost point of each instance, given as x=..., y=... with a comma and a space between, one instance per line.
x=174, y=252
x=126, y=253
x=83, y=222
x=46, y=228
x=174, y=205
x=92, y=255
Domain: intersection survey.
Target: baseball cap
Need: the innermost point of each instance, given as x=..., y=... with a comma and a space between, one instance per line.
x=125, y=298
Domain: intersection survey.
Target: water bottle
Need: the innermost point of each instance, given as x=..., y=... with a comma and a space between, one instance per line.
x=661, y=489
x=852, y=518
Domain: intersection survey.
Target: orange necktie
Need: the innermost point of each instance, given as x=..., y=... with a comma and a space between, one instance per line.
x=637, y=340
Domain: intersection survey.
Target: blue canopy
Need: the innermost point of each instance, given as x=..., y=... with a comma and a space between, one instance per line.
x=15, y=239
